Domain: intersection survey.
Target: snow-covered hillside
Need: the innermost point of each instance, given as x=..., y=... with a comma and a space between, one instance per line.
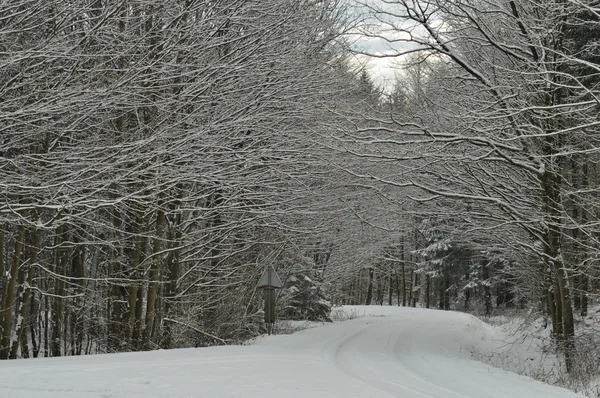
x=392, y=352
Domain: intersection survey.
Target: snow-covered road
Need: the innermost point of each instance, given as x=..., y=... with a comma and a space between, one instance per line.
x=395, y=352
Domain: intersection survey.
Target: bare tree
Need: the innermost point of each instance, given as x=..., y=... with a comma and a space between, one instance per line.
x=509, y=105
x=151, y=155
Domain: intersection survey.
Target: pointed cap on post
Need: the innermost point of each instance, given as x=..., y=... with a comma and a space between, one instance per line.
x=269, y=279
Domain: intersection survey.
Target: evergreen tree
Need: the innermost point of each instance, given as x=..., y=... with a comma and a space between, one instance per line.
x=305, y=295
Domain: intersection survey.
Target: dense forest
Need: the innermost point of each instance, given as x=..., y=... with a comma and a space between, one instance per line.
x=155, y=156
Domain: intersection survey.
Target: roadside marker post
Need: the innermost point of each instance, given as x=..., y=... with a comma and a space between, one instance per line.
x=269, y=281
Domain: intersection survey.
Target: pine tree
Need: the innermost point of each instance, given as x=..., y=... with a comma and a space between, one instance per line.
x=305, y=295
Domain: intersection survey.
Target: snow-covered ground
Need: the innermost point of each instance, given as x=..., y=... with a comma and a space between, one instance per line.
x=528, y=349
x=390, y=352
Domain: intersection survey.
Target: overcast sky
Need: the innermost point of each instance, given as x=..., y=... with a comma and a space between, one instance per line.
x=383, y=69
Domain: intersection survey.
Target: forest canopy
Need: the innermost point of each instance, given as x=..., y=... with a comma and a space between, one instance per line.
x=155, y=156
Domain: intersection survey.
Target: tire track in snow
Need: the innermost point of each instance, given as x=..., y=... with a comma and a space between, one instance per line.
x=352, y=361
x=417, y=353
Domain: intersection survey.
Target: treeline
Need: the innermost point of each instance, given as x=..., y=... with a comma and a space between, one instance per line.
x=154, y=157
x=492, y=134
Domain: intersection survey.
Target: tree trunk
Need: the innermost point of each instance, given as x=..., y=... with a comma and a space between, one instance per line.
x=138, y=311
x=417, y=291
x=428, y=291
x=487, y=291
x=391, y=289
x=398, y=295
x=132, y=300
x=56, y=314
x=584, y=289
x=584, y=280
x=172, y=269
x=370, y=287
x=403, y=285
x=25, y=273
x=21, y=309
x=568, y=326
x=78, y=316
x=135, y=295
x=3, y=278
x=35, y=343
x=446, y=290
x=379, y=294
x=359, y=283
x=402, y=257
x=9, y=301
x=441, y=292
x=46, y=341
x=154, y=275
x=411, y=289
x=467, y=292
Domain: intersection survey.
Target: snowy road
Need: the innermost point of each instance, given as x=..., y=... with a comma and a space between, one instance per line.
x=396, y=352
